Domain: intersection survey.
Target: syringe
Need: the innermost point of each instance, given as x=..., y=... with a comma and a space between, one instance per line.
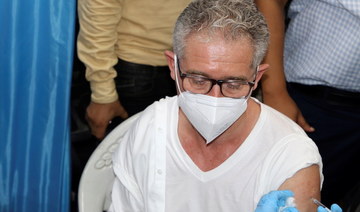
x=318, y=203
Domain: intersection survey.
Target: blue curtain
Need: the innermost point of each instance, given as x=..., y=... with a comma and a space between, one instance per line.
x=36, y=54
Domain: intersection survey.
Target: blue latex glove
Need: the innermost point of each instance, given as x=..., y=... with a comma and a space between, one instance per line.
x=272, y=202
x=334, y=208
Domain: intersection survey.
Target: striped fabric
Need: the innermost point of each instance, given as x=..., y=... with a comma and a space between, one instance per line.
x=322, y=44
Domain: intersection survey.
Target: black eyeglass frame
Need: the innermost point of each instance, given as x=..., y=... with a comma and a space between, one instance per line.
x=218, y=82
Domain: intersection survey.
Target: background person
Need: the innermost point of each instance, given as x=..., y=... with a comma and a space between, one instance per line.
x=121, y=44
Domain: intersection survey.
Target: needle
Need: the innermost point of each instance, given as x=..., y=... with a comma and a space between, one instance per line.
x=318, y=203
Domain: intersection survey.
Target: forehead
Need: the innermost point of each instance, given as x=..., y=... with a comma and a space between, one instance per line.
x=217, y=47
x=216, y=53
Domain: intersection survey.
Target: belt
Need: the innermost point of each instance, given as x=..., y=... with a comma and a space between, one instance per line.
x=130, y=65
x=331, y=95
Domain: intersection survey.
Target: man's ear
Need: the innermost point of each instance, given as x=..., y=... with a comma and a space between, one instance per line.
x=261, y=70
x=170, y=60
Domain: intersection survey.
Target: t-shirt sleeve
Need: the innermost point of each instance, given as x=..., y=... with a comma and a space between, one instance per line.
x=287, y=157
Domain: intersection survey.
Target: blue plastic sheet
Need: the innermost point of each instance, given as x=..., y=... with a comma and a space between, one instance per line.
x=36, y=54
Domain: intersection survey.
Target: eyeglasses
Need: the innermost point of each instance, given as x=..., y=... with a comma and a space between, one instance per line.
x=202, y=85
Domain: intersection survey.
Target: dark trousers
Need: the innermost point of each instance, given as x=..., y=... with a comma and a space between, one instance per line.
x=140, y=85
x=335, y=115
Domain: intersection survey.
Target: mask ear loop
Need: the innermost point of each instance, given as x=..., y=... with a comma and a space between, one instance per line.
x=176, y=74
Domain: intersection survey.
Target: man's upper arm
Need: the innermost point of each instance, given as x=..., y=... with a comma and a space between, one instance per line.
x=96, y=46
x=306, y=185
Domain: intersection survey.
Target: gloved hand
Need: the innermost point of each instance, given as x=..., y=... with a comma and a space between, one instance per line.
x=334, y=208
x=272, y=202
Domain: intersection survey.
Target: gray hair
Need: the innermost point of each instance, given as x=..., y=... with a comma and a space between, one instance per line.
x=235, y=19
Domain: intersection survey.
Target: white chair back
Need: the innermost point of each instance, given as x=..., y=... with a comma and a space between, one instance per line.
x=94, y=194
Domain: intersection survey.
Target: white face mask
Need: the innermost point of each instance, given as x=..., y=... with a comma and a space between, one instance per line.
x=210, y=116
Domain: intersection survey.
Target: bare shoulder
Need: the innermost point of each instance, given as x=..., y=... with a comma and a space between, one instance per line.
x=306, y=185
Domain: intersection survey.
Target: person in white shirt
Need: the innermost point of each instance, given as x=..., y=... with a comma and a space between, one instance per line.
x=213, y=147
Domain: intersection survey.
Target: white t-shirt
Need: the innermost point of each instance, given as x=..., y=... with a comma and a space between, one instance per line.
x=155, y=174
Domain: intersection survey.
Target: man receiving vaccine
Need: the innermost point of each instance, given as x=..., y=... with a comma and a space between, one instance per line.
x=212, y=147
